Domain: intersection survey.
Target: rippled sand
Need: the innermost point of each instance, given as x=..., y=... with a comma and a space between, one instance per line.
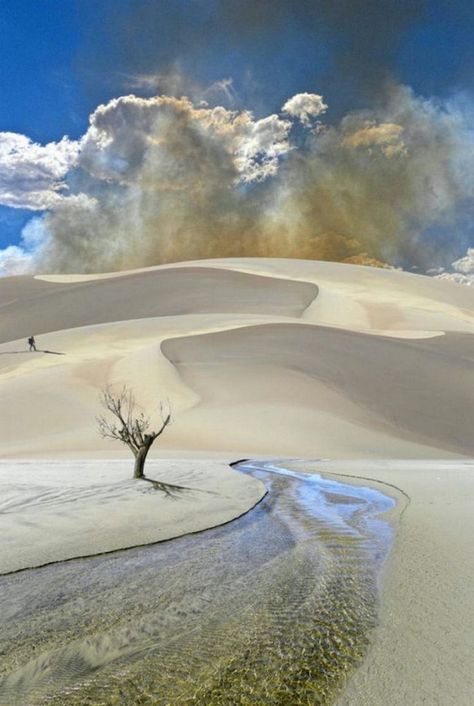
x=275, y=608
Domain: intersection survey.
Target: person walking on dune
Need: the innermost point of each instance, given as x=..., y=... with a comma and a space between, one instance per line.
x=32, y=343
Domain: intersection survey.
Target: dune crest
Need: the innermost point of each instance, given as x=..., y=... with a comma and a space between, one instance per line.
x=258, y=357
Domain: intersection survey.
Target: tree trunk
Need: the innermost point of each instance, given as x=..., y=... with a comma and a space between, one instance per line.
x=140, y=458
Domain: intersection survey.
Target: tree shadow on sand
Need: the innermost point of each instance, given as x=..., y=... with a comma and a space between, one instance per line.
x=174, y=491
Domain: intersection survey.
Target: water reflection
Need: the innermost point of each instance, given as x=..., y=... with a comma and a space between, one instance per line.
x=274, y=608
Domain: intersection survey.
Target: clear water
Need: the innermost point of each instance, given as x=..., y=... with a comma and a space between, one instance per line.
x=273, y=608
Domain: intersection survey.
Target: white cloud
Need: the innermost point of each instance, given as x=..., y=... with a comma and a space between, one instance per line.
x=22, y=259
x=163, y=179
x=163, y=173
x=34, y=234
x=260, y=146
x=463, y=270
x=127, y=131
x=465, y=265
x=32, y=175
x=458, y=278
x=15, y=261
x=306, y=107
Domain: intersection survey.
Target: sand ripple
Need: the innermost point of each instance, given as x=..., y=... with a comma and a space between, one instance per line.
x=276, y=605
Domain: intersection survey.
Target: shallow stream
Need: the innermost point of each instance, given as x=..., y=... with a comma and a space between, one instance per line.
x=274, y=608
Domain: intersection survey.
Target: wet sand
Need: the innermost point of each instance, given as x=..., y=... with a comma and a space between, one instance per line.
x=421, y=651
x=274, y=608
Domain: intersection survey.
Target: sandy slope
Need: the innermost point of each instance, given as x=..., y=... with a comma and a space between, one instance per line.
x=256, y=356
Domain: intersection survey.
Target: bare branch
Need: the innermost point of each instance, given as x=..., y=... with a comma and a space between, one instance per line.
x=107, y=429
x=166, y=421
x=131, y=427
x=122, y=406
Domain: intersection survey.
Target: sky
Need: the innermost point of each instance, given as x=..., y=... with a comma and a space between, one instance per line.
x=372, y=161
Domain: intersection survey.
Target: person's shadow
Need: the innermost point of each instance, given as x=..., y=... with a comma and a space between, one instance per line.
x=28, y=352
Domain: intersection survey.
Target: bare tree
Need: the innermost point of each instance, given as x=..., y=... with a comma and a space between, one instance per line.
x=131, y=427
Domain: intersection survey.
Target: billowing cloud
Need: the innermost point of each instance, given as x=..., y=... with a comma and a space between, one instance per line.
x=259, y=147
x=127, y=132
x=15, y=260
x=22, y=259
x=344, y=194
x=32, y=175
x=164, y=179
x=306, y=107
x=388, y=137
x=465, y=265
x=462, y=270
x=457, y=278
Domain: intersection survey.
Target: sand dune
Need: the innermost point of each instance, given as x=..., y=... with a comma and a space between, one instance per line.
x=426, y=398
x=258, y=357
x=29, y=303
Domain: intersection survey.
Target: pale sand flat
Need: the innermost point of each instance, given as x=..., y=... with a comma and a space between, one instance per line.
x=421, y=651
x=56, y=510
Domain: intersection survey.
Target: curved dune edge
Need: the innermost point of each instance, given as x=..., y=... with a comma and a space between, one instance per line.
x=387, y=369
x=358, y=379
x=53, y=511
x=421, y=650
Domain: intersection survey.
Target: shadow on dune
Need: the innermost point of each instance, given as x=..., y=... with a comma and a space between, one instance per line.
x=29, y=352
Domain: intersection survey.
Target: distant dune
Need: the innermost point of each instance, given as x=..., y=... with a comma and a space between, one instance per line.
x=258, y=357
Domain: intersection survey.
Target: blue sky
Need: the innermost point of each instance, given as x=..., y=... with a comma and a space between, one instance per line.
x=59, y=60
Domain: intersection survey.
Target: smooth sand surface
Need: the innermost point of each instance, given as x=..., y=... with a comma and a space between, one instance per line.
x=56, y=510
x=257, y=357
x=422, y=649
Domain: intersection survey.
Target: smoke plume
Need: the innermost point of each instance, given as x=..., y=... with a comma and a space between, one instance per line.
x=164, y=179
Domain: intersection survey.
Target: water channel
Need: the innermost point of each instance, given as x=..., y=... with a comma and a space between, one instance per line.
x=276, y=608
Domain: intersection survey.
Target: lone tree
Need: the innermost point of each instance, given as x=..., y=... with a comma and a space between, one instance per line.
x=131, y=427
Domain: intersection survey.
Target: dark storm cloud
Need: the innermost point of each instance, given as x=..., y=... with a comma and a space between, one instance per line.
x=349, y=47
x=364, y=34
